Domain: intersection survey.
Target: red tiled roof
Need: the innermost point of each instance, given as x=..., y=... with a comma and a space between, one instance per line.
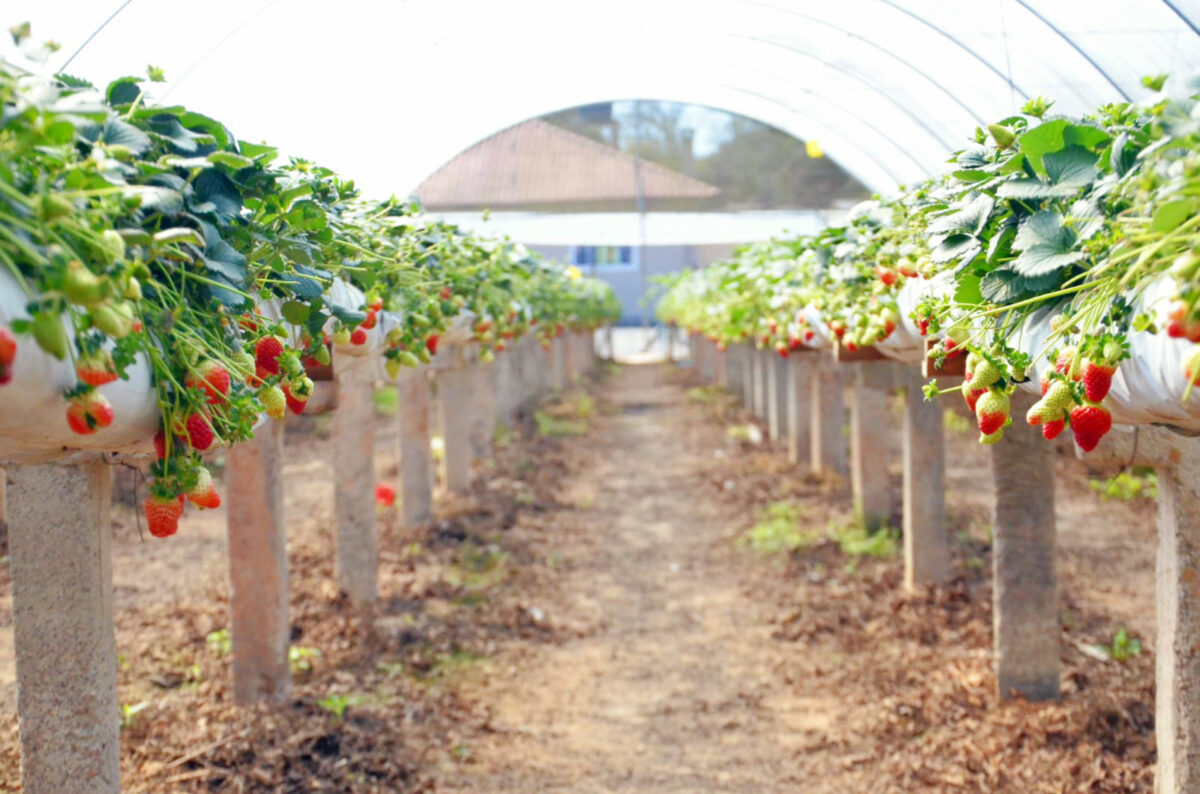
x=535, y=162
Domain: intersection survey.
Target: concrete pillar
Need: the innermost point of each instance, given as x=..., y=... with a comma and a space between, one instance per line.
x=721, y=366
x=504, y=369
x=777, y=397
x=566, y=345
x=748, y=366
x=798, y=399
x=926, y=544
x=734, y=368
x=258, y=570
x=357, y=552
x=758, y=405
x=483, y=406
x=416, y=457
x=870, y=422
x=3, y=508
x=693, y=354
x=1177, y=650
x=454, y=398
x=1025, y=585
x=827, y=429
x=60, y=547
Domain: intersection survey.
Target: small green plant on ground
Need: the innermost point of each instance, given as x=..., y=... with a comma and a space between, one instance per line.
x=300, y=659
x=585, y=406
x=857, y=540
x=337, y=704
x=955, y=422
x=387, y=401
x=554, y=427
x=219, y=643
x=130, y=712
x=749, y=433
x=705, y=394
x=778, y=530
x=502, y=435
x=1139, y=482
x=1123, y=647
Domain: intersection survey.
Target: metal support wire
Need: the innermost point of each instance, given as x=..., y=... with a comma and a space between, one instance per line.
x=1072, y=43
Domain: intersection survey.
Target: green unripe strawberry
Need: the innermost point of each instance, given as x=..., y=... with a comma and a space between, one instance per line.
x=273, y=401
x=52, y=206
x=49, y=333
x=393, y=367
x=341, y=337
x=133, y=290
x=322, y=356
x=424, y=355
x=114, y=319
x=112, y=244
x=1003, y=136
x=82, y=286
x=408, y=359
x=301, y=387
x=983, y=375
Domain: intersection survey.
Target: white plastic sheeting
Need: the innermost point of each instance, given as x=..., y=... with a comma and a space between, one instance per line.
x=386, y=92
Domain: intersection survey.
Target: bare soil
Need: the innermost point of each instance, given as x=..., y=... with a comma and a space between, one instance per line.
x=588, y=621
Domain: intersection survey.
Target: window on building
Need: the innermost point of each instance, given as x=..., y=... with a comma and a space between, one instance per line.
x=604, y=257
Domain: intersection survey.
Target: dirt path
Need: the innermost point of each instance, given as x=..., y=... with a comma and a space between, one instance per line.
x=677, y=688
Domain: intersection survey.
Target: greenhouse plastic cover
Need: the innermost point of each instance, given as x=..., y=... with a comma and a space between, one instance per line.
x=386, y=92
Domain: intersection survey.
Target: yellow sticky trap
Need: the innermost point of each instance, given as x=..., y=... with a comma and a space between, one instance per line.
x=814, y=149
x=574, y=273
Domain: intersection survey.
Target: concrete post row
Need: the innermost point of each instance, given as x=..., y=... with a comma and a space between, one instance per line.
x=760, y=384
x=870, y=425
x=721, y=366
x=60, y=544
x=357, y=550
x=483, y=407
x=415, y=454
x=1024, y=579
x=454, y=398
x=798, y=398
x=827, y=432
x=926, y=543
x=777, y=391
x=258, y=571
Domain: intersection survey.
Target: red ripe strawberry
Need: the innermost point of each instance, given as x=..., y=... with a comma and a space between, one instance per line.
x=923, y=326
x=358, y=336
x=266, y=355
x=1051, y=430
x=907, y=268
x=8, y=347
x=199, y=432
x=6, y=374
x=886, y=275
x=558, y=329
x=1045, y=382
x=294, y=404
x=1089, y=423
x=971, y=395
x=794, y=343
x=204, y=493
x=991, y=411
x=160, y=444
x=369, y=323
x=432, y=343
x=96, y=369
x=445, y=293
x=809, y=334
x=1064, y=363
x=375, y=304
x=212, y=378
x=782, y=350
x=162, y=514
x=385, y=494
x=1097, y=380
x=851, y=345
x=86, y=413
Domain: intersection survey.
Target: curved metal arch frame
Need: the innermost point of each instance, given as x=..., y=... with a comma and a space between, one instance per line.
x=1075, y=46
x=866, y=152
x=1186, y=19
x=955, y=40
x=885, y=50
x=858, y=79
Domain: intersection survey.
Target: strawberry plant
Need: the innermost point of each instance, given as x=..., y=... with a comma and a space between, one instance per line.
x=149, y=235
